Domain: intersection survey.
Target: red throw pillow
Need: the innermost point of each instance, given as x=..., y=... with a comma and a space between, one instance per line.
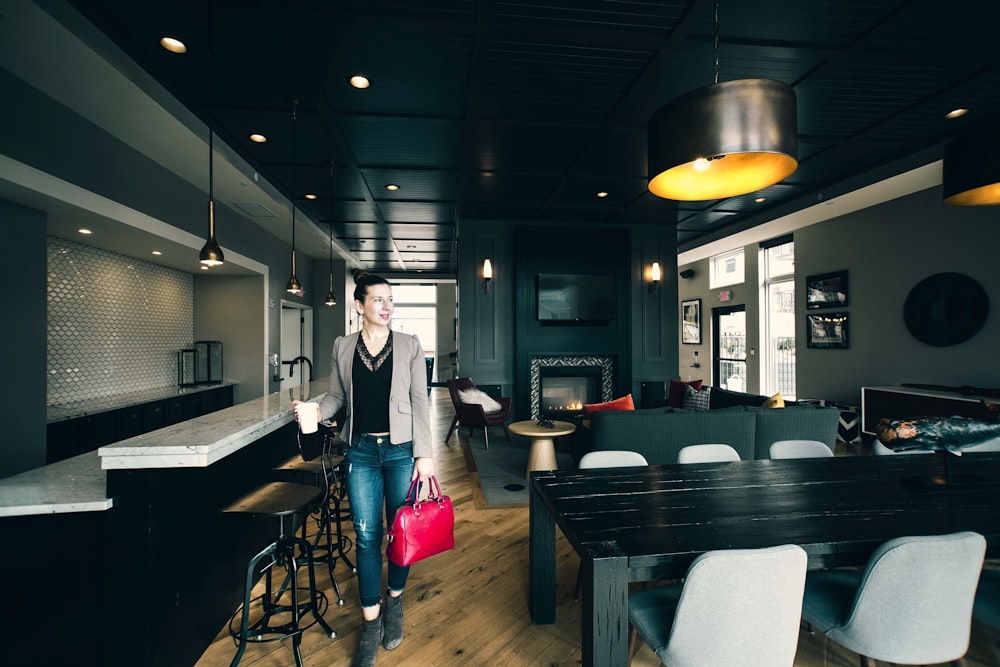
x=676, y=397
x=623, y=403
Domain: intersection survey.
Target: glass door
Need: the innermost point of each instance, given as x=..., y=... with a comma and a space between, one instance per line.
x=729, y=347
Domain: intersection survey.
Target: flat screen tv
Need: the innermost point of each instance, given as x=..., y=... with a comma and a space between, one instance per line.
x=576, y=297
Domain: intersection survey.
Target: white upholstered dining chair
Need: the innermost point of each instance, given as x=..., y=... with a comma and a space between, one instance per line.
x=711, y=453
x=799, y=449
x=912, y=604
x=735, y=607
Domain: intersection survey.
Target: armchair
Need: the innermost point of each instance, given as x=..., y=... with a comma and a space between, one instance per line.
x=474, y=415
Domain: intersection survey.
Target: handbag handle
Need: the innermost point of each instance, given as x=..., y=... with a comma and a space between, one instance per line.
x=434, y=490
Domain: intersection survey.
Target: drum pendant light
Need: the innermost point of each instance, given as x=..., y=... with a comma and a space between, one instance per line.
x=293, y=286
x=211, y=253
x=971, y=174
x=331, y=300
x=723, y=140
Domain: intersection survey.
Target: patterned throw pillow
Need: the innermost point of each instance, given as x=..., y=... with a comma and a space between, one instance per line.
x=697, y=400
x=675, y=398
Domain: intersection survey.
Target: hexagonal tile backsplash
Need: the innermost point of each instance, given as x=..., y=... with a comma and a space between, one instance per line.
x=115, y=323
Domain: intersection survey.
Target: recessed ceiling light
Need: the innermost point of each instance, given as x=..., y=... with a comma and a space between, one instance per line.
x=84, y=230
x=258, y=138
x=956, y=113
x=602, y=194
x=173, y=45
x=392, y=187
x=360, y=81
x=310, y=196
x=760, y=200
x=157, y=252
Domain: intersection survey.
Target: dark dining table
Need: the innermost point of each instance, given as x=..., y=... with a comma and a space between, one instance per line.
x=646, y=524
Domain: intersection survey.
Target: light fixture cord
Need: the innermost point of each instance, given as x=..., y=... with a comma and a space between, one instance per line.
x=294, y=107
x=715, y=39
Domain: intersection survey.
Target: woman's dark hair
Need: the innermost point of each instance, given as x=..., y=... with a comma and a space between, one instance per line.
x=362, y=281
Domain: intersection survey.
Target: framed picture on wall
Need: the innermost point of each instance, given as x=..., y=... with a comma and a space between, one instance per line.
x=826, y=290
x=691, y=321
x=827, y=330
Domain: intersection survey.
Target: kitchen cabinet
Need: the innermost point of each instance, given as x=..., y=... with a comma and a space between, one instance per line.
x=70, y=437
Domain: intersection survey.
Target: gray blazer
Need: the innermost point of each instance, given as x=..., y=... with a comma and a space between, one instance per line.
x=409, y=411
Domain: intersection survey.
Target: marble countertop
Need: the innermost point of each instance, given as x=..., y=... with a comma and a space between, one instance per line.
x=204, y=440
x=63, y=411
x=73, y=485
x=79, y=484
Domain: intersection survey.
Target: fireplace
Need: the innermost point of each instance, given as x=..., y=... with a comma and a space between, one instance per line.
x=561, y=385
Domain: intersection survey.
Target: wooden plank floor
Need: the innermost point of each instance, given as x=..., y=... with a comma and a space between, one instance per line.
x=469, y=606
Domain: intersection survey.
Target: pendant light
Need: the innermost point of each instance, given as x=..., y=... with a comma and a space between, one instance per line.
x=331, y=300
x=723, y=140
x=293, y=286
x=971, y=174
x=211, y=253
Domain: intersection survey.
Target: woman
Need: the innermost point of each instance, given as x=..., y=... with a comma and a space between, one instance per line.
x=379, y=376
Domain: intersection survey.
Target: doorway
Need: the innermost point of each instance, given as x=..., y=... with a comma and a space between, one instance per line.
x=296, y=341
x=729, y=347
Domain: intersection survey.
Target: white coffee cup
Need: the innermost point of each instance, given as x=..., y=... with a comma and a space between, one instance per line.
x=308, y=414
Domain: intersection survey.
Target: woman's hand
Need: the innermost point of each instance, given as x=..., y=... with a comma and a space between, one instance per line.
x=423, y=468
x=295, y=408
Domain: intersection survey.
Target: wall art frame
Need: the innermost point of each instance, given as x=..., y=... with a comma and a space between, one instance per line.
x=826, y=290
x=827, y=331
x=691, y=321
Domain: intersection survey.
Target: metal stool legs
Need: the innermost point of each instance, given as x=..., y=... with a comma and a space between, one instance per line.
x=289, y=553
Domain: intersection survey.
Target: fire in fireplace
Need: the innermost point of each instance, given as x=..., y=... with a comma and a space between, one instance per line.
x=566, y=395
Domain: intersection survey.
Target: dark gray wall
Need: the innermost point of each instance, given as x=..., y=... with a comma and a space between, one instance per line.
x=22, y=397
x=886, y=249
x=494, y=331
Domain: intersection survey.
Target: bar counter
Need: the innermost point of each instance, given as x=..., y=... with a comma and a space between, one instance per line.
x=123, y=553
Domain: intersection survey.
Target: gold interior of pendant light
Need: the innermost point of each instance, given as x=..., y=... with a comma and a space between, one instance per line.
x=211, y=253
x=331, y=299
x=723, y=140
x=293, y=286
x=971, y=171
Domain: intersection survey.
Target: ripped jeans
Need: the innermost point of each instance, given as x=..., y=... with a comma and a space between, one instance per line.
x=378, y=475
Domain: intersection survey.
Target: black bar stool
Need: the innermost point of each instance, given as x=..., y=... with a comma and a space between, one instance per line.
x=330, y=544
x=287, y=553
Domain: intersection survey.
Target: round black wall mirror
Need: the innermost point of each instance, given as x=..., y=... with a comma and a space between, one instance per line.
x=946, y=309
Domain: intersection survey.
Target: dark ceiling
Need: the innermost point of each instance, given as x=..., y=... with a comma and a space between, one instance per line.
x=524, y=111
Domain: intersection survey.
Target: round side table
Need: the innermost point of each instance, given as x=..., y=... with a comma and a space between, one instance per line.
x=543, y=449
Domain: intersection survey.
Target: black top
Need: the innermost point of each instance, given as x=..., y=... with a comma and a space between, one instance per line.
x=372, y=378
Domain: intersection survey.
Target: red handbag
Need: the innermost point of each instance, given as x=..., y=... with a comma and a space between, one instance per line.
x=421, y=528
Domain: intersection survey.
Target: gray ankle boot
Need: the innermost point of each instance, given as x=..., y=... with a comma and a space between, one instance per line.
x=393, y=627
x=371, y=637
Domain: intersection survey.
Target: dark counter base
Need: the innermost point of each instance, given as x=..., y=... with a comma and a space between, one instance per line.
x=149, y=582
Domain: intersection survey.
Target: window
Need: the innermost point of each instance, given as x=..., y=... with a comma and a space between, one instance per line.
x=726, y=269
x=778, y=362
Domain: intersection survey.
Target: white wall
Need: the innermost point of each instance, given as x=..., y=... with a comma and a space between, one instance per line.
x=886, y=249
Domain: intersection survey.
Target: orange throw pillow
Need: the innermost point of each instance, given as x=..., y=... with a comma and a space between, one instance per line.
x=623, y=403
x=675, y=398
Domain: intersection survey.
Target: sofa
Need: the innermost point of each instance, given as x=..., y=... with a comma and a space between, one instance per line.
x=659, y=433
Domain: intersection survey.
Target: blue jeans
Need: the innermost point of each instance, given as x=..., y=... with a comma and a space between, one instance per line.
x=378, y=475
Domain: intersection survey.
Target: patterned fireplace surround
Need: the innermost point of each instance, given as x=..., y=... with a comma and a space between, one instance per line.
x=605, y=363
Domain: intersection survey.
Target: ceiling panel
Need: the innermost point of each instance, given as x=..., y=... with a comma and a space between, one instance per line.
x=520, y=111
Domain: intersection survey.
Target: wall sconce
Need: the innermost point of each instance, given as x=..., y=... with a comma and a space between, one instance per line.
x=487, y=274
x=654, y=276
